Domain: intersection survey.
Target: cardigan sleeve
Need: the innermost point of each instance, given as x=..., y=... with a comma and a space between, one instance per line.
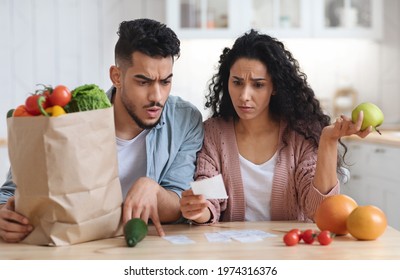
x=309, y=197
x=209, y=165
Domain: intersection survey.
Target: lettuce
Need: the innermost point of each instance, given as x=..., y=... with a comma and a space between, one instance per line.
x=87, y=97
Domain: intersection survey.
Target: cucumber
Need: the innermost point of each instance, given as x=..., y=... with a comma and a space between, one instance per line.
x=135, y=230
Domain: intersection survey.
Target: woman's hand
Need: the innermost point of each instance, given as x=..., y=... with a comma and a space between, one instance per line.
x=345, y=127
x=194, y=207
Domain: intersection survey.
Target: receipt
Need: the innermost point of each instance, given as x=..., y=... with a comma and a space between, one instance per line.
x=211, y=188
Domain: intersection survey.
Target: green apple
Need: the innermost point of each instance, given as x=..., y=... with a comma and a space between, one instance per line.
x=373, y=116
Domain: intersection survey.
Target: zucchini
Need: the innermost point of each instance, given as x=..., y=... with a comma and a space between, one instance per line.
x=135, y=230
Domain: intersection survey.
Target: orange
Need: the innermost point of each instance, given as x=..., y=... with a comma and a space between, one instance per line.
x=332, y=213
x=366, y=222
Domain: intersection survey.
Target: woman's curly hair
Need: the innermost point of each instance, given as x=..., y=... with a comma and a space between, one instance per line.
x=294, y=101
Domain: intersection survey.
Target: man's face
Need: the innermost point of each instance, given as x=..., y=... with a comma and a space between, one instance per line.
x=145, y=87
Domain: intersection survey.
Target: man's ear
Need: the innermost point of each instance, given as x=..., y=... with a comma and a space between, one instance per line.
x=116, y=76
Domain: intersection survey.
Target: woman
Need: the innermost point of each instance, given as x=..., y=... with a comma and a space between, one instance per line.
x=268, y=137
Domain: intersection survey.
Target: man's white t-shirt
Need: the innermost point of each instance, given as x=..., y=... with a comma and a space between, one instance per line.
x=257, y=184
x=132, y=160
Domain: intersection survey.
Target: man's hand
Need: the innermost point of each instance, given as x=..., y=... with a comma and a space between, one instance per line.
x=142, y=202
x=13, y=226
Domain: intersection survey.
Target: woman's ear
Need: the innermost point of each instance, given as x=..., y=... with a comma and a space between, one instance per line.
x=116, y=76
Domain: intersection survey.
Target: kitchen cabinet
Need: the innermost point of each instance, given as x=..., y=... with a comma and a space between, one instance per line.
x=348, y=18
x=154, y=9
x=374, y=177
x=231, y=18
x=279, y=18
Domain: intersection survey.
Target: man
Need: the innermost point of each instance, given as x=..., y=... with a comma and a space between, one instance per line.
x=157, y=135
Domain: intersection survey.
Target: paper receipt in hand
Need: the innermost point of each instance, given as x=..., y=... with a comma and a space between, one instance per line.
x=211, y=188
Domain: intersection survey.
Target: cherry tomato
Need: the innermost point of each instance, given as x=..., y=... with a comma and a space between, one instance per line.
x=32, y=106
x=21, y=111
x=60, y=96
x=291, y=238
x=325, y=237
x=297, y=231
x=308, y=236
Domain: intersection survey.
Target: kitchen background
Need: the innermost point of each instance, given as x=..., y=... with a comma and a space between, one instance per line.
x=349, y=49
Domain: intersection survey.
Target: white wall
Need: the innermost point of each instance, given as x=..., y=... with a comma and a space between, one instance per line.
x=68, y=42
x=71, y=42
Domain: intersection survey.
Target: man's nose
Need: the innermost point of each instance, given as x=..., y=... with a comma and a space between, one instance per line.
x=155, y=93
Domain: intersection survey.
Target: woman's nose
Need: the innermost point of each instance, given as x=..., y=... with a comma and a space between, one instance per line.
x=245, y=93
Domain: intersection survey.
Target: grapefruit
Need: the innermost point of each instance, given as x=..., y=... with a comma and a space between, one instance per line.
x=366, y=222
x=332, y=213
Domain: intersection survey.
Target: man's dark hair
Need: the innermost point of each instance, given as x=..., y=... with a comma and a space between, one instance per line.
x=147, y=36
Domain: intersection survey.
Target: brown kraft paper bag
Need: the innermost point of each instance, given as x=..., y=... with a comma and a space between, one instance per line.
x=66, y=173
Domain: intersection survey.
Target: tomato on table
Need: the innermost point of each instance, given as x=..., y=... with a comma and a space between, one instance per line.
x=291, y=238
x=325, y=237
x=308, y=236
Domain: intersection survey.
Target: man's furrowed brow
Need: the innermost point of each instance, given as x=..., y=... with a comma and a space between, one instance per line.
x=143, y=77
x=169, y=77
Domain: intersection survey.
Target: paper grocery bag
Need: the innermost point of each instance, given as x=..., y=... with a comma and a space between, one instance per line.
x=66, y=173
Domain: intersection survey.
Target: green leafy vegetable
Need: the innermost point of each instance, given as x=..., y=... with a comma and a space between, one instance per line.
x=87, y=97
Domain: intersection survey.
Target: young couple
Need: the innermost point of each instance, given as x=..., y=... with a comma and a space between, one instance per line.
x=267, y=135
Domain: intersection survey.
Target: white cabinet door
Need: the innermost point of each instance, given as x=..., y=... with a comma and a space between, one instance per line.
x=357, y=161
x=385, y=194
x=205, y=18
x=231, y=18
x=375, y=177
x=278, y=18
x=348, y=18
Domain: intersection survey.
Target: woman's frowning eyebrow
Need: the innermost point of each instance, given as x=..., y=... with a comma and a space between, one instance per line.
x=253, y=79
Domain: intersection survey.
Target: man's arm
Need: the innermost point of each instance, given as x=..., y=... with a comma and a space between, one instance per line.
x=7, y=190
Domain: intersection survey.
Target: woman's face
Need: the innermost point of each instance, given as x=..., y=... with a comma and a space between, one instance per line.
x=250, y=88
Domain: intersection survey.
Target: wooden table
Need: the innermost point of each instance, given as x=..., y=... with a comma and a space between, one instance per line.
x=271, y=248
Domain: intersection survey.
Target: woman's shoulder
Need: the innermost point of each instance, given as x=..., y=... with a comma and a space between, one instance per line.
x=217, y=123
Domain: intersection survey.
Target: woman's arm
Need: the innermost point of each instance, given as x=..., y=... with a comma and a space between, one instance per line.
x=326, y=170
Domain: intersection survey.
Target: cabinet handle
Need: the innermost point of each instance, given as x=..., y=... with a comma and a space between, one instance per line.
x=380, y=151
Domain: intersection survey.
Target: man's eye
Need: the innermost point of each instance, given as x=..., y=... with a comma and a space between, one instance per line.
x=143, y=83
x=166, y=82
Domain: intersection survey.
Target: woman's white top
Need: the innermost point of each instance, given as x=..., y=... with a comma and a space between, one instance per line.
x=257, y=184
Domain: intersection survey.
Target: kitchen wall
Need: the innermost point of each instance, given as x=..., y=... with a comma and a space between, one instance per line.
x=71, y=42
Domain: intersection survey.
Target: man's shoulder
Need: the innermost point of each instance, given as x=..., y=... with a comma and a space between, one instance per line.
x=179, y=107
x=179, y=102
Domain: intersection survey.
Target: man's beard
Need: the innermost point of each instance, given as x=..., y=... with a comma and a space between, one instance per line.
x=137, y=120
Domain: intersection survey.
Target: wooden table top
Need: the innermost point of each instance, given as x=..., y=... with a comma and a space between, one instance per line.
x=270, y=248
